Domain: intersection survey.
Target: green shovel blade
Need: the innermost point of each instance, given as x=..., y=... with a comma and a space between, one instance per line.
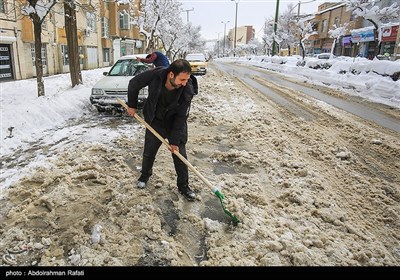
x=221, y=197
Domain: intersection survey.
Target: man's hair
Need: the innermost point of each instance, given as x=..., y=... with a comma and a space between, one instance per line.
x=180, y=66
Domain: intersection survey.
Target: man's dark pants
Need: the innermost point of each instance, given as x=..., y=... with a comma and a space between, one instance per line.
x=151, y=146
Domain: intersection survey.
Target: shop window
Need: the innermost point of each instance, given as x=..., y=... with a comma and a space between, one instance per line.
x=6, y=71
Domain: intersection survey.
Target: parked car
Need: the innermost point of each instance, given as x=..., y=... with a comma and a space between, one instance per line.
x=325, y=56
x=198, y=63
x=115, y=84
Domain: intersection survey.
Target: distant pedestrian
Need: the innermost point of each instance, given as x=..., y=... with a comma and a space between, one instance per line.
x=157, y=58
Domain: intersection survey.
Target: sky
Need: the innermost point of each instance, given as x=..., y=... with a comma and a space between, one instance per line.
x=43, y=119
x=209, y=14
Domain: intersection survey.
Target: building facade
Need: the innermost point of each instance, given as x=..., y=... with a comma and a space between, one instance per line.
x=360, y=35
x=104, y=32
x=243, y=35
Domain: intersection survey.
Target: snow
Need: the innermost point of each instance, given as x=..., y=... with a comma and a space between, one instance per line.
x=353, y=76
x=25, y=116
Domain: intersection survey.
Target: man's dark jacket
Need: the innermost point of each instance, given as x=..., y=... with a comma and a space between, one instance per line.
x=177, y=112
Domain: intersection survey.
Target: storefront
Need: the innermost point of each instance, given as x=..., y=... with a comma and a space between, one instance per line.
x=364, y=39
x=6, y=71
x=346, y=46
x=389, y=36
x=327, y=46
x=7, y=47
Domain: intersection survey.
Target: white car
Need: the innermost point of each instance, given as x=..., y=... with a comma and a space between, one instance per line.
x=115, y=84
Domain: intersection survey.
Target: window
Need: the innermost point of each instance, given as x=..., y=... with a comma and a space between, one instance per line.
x=106, y=55
x=324, y=26
x=91, y=21
x=314, y=26
x=44, y=25
x=2, y=6
x=44, y=55
x=123, y=20
x=337, y=21
x=64, y=54
x=81, y=54
x=52, y=17
x=105, y=30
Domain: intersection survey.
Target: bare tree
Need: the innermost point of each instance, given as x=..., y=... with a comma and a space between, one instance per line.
x=336, y=32
x=37, y=11
x=72, y=41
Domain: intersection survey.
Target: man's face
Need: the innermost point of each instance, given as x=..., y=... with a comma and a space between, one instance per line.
x=180, y=80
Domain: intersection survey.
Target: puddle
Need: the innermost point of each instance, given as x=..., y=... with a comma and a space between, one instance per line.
x=170, y=216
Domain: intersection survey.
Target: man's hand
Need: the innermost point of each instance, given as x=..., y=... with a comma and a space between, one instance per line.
x=131, y=111
x=139, y=59
x=173, y=148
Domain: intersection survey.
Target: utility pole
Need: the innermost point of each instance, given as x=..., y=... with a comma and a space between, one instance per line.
x=236, y=12
x=224, y=22
x=275, y=26
x=217, y=45
x=187, y=13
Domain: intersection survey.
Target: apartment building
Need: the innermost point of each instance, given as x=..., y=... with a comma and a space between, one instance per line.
x=243, y=35
x=359, y=38
x=104, y=32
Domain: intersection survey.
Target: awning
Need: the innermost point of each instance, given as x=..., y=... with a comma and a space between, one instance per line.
x=8, y=39
x=346, y=40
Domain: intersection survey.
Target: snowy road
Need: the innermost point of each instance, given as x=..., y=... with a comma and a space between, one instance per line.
x=281, y=90
x=316, y=186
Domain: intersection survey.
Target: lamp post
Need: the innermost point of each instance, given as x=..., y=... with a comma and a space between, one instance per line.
x=218, y=44
x=187, y=13
x=224, y=22
x=236, y=12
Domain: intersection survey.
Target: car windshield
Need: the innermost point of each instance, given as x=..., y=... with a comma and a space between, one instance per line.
x=194, y=57
x=127, y=67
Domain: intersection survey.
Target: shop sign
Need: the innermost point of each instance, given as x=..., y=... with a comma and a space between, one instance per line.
x=346, y=40
x=389, y=34
x=362, y=36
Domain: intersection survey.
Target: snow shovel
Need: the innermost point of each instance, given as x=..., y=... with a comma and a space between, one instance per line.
x=185, y=161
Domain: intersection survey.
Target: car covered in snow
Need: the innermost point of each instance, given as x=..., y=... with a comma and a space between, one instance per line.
x=325, y=56
x=115, y=84
x=198, y=63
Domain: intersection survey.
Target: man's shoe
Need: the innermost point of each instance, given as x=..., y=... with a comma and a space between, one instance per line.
x=141, y=182
x=187, y=193
x=141, y=185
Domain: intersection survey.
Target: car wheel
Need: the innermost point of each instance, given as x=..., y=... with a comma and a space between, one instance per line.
x=100, y=109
